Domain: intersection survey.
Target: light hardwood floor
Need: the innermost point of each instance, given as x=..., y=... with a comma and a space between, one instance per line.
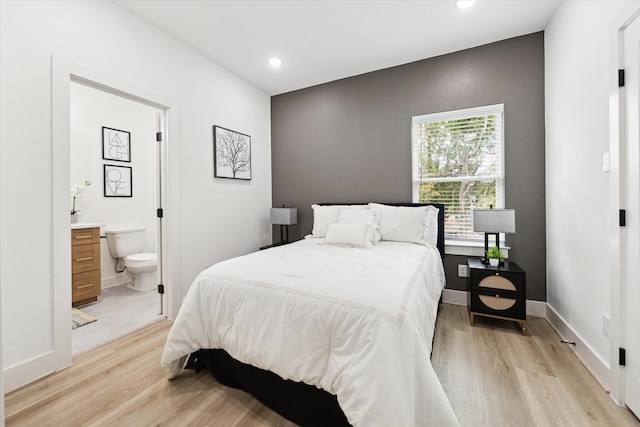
x=492, y=374
x=120, y=311
x=495, y=376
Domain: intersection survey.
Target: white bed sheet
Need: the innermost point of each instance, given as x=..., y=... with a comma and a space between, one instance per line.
x=357, y=323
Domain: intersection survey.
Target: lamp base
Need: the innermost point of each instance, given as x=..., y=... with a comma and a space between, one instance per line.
x=284, y=234
x=484, y=259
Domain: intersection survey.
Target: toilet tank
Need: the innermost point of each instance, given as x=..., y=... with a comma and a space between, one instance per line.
x=125, y=241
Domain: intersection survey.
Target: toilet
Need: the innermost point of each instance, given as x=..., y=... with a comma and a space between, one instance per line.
x=127, y=243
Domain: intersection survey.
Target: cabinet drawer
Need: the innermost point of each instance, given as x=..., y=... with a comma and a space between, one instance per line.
x=85, y=236
x=85, y=285
x=85, y=258
x=496, y=303
x=498, y=280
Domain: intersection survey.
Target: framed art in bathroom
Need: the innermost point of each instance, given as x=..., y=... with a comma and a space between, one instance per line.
x=231, y=154
x=118, y=181
x=116, y=144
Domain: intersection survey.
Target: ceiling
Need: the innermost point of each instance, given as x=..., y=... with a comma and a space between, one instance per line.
x=322, y=41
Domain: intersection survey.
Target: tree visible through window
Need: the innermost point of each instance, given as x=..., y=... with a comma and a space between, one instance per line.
x=458, y=161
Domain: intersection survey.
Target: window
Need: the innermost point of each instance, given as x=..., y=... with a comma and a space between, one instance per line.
x=458, y=160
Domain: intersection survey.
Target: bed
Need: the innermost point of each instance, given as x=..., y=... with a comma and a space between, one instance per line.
x=335, y=329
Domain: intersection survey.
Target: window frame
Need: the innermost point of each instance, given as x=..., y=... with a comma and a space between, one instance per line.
x=459, y=244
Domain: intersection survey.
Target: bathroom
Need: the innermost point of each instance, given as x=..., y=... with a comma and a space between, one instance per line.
x=122, y=194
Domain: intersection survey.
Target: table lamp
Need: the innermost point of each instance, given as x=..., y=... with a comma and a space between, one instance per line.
x=493, y=221
x=284, y=217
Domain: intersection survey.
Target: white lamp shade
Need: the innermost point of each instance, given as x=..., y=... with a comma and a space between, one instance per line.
x=284, y=216
x=494, y=220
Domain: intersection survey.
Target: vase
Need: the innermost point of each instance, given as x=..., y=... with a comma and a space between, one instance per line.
x=494, y=262
x=74, y=218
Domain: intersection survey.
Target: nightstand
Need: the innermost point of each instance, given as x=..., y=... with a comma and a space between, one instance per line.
x=498, y=292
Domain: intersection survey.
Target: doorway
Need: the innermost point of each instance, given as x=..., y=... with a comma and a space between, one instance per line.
x=63, y=72
x=115, y=135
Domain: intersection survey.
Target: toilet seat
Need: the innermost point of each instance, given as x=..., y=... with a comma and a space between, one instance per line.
x=143, y=258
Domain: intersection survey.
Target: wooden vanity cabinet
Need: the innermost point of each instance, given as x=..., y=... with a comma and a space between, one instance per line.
x=85, y=266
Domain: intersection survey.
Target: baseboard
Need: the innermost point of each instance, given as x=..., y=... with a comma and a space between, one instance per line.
x=537, y=308
x=534, y=308
x=110, y=282
x=451, y=296
x=594, y=363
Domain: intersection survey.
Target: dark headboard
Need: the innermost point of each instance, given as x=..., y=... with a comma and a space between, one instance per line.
x=440, y=207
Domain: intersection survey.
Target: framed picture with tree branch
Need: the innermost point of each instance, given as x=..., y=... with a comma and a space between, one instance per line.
x=231, y=154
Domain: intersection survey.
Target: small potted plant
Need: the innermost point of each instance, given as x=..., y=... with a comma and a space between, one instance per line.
x=495, y=256
x=75, y=191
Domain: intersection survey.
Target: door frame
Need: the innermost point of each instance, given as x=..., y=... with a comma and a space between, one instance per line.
x=63, y=72
x=617, y=184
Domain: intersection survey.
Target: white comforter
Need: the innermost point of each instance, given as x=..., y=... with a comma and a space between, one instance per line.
x=357, y=323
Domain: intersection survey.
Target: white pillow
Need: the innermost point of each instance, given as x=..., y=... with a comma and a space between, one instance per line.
x=360, y=216
x=355, y=235
x=356, y=216
x=431, y=226
x=325, y=215
x=405, y=223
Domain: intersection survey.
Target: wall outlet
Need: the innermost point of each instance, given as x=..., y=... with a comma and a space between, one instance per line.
x=605, y=325
x=463, y=270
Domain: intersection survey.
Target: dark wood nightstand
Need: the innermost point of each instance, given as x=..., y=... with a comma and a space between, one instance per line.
x=498, y=292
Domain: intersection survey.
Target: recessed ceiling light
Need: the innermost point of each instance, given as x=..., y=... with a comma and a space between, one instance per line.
x=464, y=4
x=275, y=62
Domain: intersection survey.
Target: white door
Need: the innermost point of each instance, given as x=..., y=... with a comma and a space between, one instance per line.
x=631, y=157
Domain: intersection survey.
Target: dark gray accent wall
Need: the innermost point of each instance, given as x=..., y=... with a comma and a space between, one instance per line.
x=350, y=140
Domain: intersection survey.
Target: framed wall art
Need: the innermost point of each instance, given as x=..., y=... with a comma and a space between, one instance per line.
x=231, y=154
x=116, y=145
x=118, y=181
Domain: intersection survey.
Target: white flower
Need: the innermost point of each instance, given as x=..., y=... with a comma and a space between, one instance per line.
x=80, y=187
x=77, y=189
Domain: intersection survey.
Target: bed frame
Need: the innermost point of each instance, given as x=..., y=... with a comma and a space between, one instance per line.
x=301, y=403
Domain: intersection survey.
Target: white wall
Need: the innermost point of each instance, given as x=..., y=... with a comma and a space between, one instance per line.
x=219, y=218
x=1, y=373
x=579, y=219
x=91, y=109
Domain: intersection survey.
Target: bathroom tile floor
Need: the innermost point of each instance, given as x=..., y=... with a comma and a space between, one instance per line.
x=120, y=311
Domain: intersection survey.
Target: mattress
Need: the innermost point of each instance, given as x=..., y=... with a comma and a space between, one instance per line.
x=357, y=323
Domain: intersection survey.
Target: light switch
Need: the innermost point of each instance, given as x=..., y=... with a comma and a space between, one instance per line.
x=605, y=162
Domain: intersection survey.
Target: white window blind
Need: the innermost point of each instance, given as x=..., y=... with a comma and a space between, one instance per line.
x=458, y=160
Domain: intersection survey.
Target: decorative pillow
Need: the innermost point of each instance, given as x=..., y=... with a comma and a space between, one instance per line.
x=407, y=223
x=360, y=216
x=355, y=235
x=325, y=215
